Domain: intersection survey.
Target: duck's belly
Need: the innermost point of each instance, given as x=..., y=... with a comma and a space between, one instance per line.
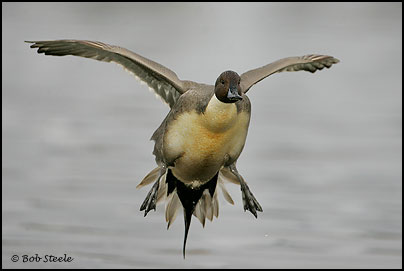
x=200, y=144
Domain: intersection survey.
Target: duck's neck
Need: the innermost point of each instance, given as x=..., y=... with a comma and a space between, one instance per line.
x=219, y=116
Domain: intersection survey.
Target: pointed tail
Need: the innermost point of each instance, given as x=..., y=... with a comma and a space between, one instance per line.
x=189, y=197
x=187, y=220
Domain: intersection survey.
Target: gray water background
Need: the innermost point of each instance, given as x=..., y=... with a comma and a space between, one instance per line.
x=323, y=154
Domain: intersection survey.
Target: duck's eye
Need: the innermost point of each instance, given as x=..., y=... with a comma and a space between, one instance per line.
x=222, y=82
x=238, y=82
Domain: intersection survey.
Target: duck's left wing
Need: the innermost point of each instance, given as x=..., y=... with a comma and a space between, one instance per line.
x=309, y=63
x=162, y=80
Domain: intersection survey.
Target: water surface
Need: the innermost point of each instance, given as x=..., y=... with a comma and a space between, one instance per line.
x=323, y=154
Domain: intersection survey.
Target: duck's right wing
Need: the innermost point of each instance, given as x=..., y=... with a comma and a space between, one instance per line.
x=163, y=81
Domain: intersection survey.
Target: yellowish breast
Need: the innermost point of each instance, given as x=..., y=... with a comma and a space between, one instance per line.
x=202, y=141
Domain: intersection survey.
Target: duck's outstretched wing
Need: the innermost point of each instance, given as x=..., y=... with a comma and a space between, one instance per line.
x=162, y=80
x=309, y=63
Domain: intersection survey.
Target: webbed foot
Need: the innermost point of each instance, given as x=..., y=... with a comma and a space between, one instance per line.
x=151, y=199
x=249, y=201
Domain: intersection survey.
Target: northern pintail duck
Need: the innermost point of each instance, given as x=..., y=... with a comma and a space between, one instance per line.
x=198, y=143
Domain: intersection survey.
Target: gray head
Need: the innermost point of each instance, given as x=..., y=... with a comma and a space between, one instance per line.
x=227, y=87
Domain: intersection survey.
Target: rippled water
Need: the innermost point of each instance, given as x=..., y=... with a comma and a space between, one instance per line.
x=323, y=154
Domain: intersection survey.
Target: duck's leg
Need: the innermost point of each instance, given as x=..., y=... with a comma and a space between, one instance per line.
x=249, y=201
x=151, y=199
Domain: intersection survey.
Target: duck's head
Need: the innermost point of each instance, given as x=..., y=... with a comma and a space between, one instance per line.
x=227, y=87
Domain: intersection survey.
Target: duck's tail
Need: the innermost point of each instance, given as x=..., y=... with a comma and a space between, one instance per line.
x=201, y=202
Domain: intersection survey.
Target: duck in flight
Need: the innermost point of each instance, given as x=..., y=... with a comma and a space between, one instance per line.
x=199, y=141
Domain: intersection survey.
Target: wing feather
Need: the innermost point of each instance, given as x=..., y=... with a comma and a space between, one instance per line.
x=162, y=80
x=310, y=63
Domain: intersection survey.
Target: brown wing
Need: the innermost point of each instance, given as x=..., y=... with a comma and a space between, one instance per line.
x=309, y=63
x=162, y=80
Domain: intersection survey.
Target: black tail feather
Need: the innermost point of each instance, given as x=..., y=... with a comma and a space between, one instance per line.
x=187, y=220
x=189, y=197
